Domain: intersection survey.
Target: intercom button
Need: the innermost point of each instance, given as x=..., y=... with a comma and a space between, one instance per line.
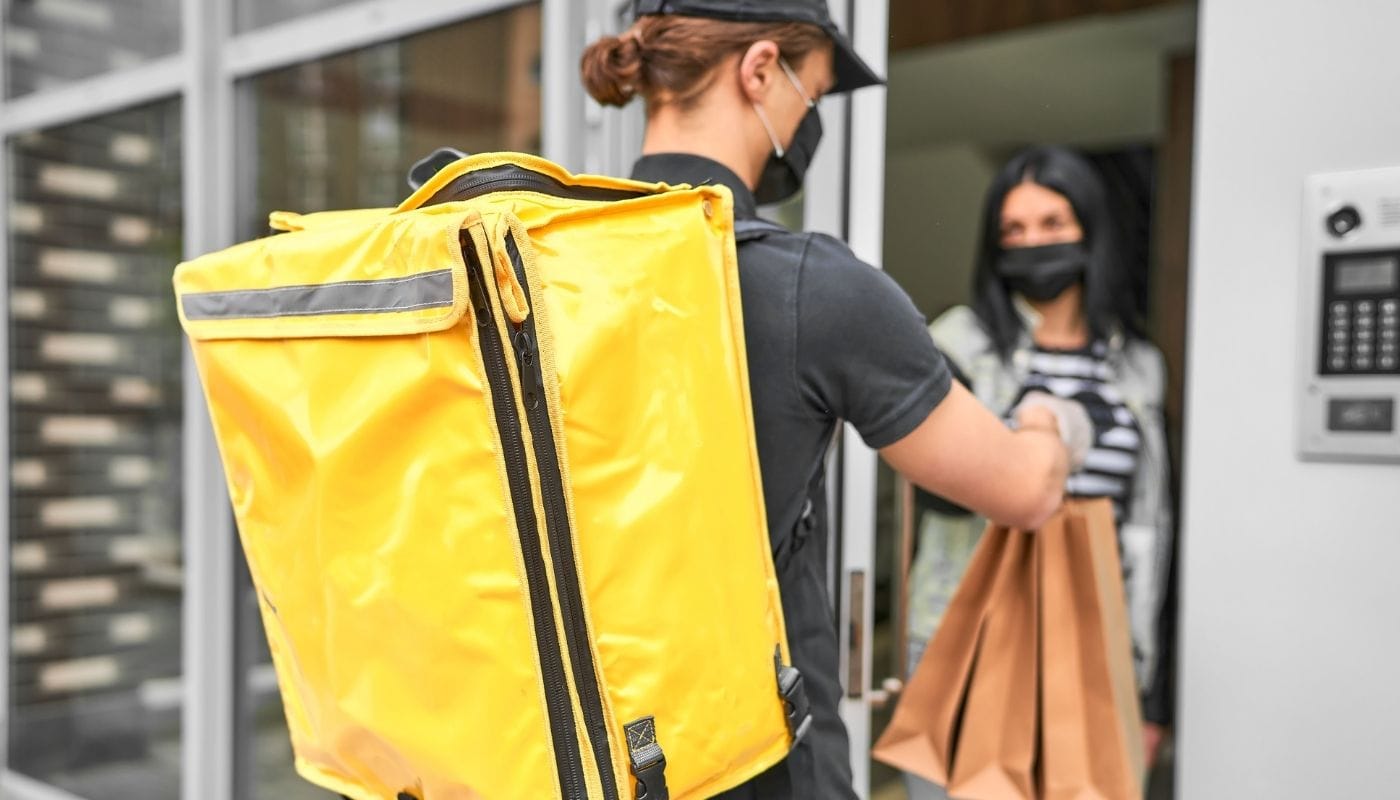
x=1362, y=362
x=1365, y=307
x=1340, y=308
x=1387, y=348
x=1387, y=362
x=1365, y=322
x=1389, y=306
x=1338, y=364
x=1363, y=348
x=1365, y=335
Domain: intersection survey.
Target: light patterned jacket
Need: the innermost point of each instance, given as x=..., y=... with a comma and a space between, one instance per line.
x=946, y=541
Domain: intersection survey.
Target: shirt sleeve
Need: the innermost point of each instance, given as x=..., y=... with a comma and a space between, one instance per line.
x=863, y=350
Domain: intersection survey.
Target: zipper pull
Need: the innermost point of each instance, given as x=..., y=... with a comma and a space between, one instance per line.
x=513, y=298
x=527, y=362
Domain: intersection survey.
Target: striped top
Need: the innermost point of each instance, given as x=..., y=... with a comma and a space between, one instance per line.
x=1082, y=375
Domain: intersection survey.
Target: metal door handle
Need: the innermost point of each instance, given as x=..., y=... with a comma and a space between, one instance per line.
x=889, y=690
x=855, y=626
x=890, y=687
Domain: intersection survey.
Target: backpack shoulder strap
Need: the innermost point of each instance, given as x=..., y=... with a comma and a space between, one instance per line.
x=749, y=228
x=811, y=521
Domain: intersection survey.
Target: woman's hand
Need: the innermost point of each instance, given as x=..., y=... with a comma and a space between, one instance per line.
x=1070, y=420
x=1152, y=737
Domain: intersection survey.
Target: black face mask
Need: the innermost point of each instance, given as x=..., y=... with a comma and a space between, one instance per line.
x=1042, y=273
x=783, y=174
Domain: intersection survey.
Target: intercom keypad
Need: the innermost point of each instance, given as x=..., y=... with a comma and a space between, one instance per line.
x=1361, y=334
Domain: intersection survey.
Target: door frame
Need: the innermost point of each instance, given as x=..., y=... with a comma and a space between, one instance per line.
x=862, y=192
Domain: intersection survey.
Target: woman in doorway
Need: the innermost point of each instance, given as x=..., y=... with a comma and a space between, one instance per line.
x=731, y=90
x=1053, y=312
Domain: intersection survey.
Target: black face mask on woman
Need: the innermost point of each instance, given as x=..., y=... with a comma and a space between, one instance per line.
x=787, y=166
x=1042, y=273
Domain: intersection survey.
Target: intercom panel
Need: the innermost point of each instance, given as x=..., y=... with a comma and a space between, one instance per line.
x=1350, y=353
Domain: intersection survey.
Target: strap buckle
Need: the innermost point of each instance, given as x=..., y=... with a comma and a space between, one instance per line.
x=793, y=690
x=648, y=761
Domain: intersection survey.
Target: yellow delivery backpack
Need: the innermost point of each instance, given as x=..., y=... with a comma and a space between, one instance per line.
x=493, y=463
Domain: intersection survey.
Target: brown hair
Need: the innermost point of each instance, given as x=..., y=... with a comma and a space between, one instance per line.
x=671, y=59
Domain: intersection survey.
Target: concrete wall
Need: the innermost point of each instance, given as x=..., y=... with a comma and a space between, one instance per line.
x=933, y=206
x=1291, y=619
x=957, y=111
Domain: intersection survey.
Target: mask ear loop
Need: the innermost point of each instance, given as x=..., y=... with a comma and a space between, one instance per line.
x=762, y=117
x=772, y=137
x=796, y=82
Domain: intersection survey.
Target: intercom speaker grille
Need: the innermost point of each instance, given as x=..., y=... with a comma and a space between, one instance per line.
x=1390, y=212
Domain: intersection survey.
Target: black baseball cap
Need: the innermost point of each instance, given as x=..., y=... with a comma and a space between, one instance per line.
x=851, y=71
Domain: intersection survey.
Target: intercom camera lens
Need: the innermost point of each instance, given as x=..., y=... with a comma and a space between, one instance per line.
x=1344, y=220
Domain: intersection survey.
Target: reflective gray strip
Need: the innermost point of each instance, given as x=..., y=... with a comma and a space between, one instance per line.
x=426, y=290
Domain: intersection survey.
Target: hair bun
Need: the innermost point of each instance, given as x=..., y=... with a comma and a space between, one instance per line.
x=611, y=67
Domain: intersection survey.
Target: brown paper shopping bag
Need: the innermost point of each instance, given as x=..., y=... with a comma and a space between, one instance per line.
x=1091, y=729
x=995, y=754
x=921, y=736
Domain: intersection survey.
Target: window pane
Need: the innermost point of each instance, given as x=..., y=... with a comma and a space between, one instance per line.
x=95, y=419
x=342, y=133
x=50, y=42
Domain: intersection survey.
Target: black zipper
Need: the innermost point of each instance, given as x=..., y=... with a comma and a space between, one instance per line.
x=512, y=177
x=568, y=759
x=561, y=540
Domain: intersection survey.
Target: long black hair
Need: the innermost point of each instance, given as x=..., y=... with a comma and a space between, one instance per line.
x=1109, y=304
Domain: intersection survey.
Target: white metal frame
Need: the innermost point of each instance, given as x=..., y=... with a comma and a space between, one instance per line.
x=343, y=28
x=563, y=107
x=611, y=139
x=6, y=789
x=158, y=79
x=19, y=787
x=206, y=768
x=863, y=195
x=212, y=59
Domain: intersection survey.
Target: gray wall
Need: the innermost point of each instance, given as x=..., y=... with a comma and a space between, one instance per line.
x=1291, y=619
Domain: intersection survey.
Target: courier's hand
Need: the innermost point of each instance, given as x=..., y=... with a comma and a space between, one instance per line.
x=1037, y=418
x=1076, y=431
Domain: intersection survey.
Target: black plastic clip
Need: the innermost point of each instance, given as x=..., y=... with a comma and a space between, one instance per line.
x=794, y=693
